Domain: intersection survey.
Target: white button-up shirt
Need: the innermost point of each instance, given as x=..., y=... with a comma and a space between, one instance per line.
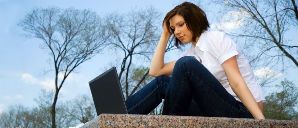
x=212, y=49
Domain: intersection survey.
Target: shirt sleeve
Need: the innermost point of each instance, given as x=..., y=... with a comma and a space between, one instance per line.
x=223, y=47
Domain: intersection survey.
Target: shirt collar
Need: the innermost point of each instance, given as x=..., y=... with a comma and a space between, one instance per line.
x=201, y=43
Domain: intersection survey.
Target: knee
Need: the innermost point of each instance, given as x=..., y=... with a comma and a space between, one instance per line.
x=162, y=79
x=162, y=83
x=186, y=61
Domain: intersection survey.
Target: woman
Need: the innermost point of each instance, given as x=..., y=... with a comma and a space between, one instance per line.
x=210, y=79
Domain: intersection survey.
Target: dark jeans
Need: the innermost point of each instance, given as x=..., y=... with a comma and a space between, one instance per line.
x=191, y=91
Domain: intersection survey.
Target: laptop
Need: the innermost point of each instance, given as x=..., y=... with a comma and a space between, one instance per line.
x=107, y=93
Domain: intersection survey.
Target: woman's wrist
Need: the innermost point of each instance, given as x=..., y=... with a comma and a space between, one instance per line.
x=260, y=117
x=166, y=35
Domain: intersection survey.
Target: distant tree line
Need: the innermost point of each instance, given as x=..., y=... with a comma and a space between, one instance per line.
x=69, y=113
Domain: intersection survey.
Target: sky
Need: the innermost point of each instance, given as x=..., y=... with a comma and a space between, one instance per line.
x=25, y=66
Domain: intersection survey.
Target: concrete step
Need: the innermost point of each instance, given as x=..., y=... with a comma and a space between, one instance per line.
x=162, y=121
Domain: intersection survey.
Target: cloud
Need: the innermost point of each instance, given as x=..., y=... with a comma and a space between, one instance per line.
x=266, y=72
x=230, y=21
x=47, y=84
x=28, y=78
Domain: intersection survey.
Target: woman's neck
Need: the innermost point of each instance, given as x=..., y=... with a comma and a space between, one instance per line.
x=194, y=43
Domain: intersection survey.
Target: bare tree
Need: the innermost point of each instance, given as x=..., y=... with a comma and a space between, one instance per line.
x=267, y=25
x=42, y=113
x=71, y=36
x=68, y=113
x=292, y=7
x=133, y=34
x=82, y=109
x=17, y=116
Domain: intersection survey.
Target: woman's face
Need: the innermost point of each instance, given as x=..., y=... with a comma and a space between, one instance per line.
x=180, y=30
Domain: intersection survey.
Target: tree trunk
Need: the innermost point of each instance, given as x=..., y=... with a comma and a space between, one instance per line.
x=53, y=109
x=122, y=67
x=140, y=82
x=127, y=72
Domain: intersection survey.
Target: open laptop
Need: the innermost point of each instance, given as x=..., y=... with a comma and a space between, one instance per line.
x=107, y=93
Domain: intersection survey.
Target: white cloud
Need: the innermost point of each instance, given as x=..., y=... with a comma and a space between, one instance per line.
x=230, y=21
x=45, y=83
x=28, y=78
x=266, y=72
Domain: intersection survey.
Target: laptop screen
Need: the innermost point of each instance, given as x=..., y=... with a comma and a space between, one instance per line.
x=107, y=94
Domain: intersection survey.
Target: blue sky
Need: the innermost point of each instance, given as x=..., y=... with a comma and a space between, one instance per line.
x=24, y=68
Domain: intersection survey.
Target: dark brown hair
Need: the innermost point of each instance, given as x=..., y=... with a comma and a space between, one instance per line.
x=195, y=19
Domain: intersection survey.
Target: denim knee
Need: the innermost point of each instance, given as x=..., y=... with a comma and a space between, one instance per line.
x=162, y=83
x=186, y=61
x=161, y=80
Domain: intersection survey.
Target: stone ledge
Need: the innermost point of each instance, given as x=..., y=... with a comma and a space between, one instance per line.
x=161, y=121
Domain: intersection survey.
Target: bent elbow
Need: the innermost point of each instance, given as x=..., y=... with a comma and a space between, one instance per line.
x=152, y=73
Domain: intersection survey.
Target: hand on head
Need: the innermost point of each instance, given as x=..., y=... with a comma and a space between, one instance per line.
x=166, y=30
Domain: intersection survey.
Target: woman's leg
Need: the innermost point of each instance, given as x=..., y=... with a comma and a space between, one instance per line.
x=149, y=97
x=192, y=81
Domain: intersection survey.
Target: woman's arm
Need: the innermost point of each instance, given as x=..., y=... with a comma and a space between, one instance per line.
x=158, y=67
x=261, y=105
x=239, y=86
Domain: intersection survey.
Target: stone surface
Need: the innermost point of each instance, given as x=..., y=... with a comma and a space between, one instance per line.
x=158, y=121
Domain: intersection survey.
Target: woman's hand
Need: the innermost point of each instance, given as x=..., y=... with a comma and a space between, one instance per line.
x=166, y=31
x=158, y=67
